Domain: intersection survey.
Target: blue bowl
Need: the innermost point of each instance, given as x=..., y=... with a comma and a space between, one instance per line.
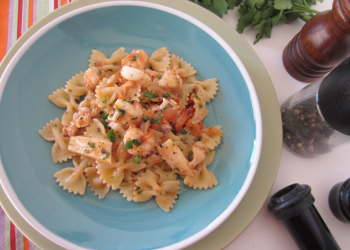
x=61, y=49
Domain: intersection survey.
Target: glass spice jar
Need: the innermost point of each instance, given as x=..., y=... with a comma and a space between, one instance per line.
x=317, y=118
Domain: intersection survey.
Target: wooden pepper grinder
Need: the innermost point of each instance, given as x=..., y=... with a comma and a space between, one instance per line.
x=322, y=44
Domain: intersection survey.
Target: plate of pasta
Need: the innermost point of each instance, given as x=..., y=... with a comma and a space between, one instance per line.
x=127, y=120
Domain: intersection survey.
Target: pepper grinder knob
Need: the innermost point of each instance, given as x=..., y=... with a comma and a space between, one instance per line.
x=339, y=201
x=294, y=206
x=322, y=44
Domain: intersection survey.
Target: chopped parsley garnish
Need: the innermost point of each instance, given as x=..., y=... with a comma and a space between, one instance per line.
x=107, y=155
x=87, y=151
x=111, y=135
x=145, y=118
x=103, y=116
x=157, y=120
x=200, y=105
x=137, y=159
x=130, y=144
x=91, y=144
x=139, y=192
x=118, y=134
x=134, y=58
x=104, y=100
x=55, y=125
x=121, y=111
x=128, y=100
x=159, y=76
x=183, y=131
x=181, y=95
x=195, y=95
x=105, y=124
x=166, y=95
x=134, y=118
x=167, y=106
x=179, y=65
x=190, y=156
x=100, y=71
x=145, y=107
x=150, y=95
x=137, y=188
x=69, y=90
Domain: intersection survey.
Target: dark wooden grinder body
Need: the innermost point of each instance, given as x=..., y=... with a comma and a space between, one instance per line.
x=322, y=44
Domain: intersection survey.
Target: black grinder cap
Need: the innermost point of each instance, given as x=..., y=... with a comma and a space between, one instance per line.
x=334, y=97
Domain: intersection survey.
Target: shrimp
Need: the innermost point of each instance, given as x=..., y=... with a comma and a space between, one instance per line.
x=70, y=129
x=140, y=142
x=83, y=117
x=170, y=81
x=198, y=150
x=93, y=76
x=136, y=59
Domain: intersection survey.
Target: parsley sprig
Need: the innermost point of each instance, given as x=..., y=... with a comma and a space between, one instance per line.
x=262, y=14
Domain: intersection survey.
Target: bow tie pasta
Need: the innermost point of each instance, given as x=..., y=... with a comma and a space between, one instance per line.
x=134, y=122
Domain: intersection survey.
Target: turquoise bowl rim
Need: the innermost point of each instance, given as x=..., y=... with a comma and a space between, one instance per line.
x=253, y=96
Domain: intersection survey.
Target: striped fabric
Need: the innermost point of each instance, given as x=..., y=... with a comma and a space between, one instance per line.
x=16, y=16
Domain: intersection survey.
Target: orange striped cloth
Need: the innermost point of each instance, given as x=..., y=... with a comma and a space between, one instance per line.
x=16, y=16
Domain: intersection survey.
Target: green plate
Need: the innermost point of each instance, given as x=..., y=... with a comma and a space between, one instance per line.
x=272, y=128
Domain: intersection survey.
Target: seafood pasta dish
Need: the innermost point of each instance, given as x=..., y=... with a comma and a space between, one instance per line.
x=134, y=122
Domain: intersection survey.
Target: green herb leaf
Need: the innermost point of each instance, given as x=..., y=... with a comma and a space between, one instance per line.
x=91, y=144
x=150, y=95
x=121, y=111
x=107, y=155
x=182, y=131
x=145, y=118
x=166, y=95
x=190, y=156
x=157, y=120
x=103, y=116
x=159, y=76
x=130, y=144
x=104, y=100
x=137, y=159
x=87, y=151
x=111, y=135
x=282, y=4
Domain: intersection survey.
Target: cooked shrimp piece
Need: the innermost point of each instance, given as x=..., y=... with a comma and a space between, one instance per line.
x=138, y=141
x=70, y=129
x=93, y=76
x=136, y=59
x=153, y=74
x=198, y=150
x=170, y=81
x=82, y=118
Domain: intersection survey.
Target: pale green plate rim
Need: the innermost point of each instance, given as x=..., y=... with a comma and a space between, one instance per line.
x=272, y=127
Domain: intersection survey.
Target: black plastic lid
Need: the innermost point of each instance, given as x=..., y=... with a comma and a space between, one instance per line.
x=291, y=201
x=334, y=97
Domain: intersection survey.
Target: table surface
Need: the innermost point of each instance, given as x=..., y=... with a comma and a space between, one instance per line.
x=321, y=173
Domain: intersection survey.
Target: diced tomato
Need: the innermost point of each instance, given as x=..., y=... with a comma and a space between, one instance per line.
x=183, y=118
x=155, y=126
x=170, y=115
x=177, y=100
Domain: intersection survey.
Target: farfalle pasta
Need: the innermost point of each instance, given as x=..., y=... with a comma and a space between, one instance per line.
x=134, y=123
